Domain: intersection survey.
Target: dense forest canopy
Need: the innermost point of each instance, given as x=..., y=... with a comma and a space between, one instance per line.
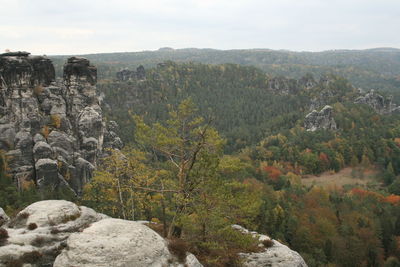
x=211, y=145
x=377, y=68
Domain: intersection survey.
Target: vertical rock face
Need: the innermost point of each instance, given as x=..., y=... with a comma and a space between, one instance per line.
x=320, y=120
x=382, y=105
x=52, y=132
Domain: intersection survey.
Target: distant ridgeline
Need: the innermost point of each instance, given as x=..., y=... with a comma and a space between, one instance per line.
x=52, y=131
x=246, y=104
x=369, y=69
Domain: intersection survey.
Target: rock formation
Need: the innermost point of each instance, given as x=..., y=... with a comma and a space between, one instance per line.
x=381, y=104
x=283, y=85
x=59, y=233
x=53, y=132
x=278, y=255
x=129, y=75
x=287, y=86
x=320, y=120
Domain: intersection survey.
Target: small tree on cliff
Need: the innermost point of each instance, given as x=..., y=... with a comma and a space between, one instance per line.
x=190, y=147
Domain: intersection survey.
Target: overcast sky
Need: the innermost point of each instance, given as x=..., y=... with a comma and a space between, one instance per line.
x=95, y=26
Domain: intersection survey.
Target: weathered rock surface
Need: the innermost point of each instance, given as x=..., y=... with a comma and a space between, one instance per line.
x=41, y=230
x=53, y=132
x=278, y=255
x=59, y=233
x=381, y=104
x=320, y=120
x=120, y=242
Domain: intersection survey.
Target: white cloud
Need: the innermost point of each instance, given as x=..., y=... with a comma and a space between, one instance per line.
x=84, y=26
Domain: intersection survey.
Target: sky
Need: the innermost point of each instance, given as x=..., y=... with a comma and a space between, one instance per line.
x=55, y=27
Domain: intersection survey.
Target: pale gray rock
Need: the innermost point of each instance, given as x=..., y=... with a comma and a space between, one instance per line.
x=3, y=217
x=320, y=120
x=278, y=255
x=67, y=235
x=117, y=242
x=50, y=212
x=55, y=220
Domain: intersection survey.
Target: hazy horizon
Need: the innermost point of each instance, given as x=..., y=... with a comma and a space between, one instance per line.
x=89, y=27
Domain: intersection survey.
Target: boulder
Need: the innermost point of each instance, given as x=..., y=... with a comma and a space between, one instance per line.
x=118, y=242
x=39, y=232
x=320, y=120
x=278, y=255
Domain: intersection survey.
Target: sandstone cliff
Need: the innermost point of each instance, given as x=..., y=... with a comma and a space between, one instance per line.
x=320, y=120
x=381, y=104
x=53, y=132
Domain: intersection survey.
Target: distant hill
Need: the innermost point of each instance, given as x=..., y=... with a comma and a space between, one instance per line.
x=377, y=68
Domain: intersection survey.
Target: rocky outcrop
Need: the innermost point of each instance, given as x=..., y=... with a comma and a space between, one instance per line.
x=320, y=120
x=52, y=131
x=381, y=104
x=130, y=75
x=39, y=232
x=277, y=255
x=283, y=85
x=117, y=243
x=287, y=86
x=59, y=233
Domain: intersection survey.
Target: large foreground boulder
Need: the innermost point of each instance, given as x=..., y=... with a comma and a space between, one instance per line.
x=117, y=242
x=59, y=233
x=39, y=232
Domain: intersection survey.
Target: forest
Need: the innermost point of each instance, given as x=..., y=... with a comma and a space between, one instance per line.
x=377, y=68
x=208, y=146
